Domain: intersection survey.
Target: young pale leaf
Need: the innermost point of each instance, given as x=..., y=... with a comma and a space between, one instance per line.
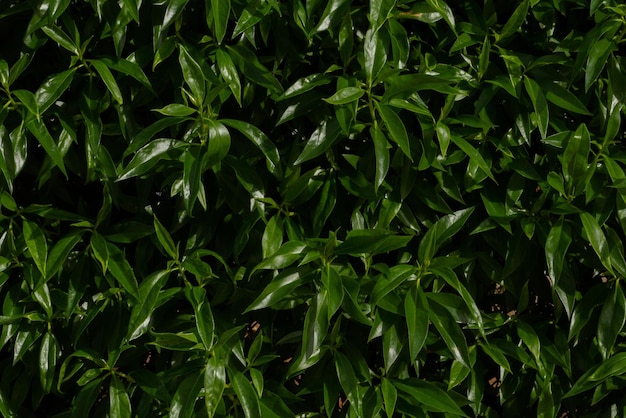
x=375, y=54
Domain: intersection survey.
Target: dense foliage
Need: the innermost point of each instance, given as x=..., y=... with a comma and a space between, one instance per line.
x=312, y=208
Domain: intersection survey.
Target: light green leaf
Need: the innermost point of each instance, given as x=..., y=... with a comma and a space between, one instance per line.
x=176, y=109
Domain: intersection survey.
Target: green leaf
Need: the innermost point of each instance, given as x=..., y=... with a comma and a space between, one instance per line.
x=246, y=394
x=149, y=155
x=557, y=243
x=473, y=154
x=173, y=11
x=450, y=332
x=381, y=151
x=304, y=84
x=349, y=382
x=321, y=139
x=192, y=177
x=396, y=128
x=280, y=286
x=165, y=239
x=417, y=320
x=371, y=241
x=184, y=400
x=345, y=95
x=614, y=366
x=611, y=321
x=563, y=98
x=142, y=312
x=539, y=104
x=598, y=56
x=37, y=244
x=445, y=11
x=575, y=158
x=390, y=396
x=37, y=128
x=48, y=356
x=219, y=143
x=192, y=74
x=229, y=72
x=119, y=401
x=272, y=236
x=375, y=54
x=214, y=384
x=515, y=21
x=52, y=89
x=59, y=254
x=176, y=109
x=430, y=396
x=122, y=271
x=221, y=12
x=106, y=76
x=596, y=238
x=261, y=140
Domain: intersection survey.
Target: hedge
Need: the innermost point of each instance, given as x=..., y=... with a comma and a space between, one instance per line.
x=392, y=208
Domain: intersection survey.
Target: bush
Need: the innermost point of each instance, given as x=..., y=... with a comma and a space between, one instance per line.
x=275, y=209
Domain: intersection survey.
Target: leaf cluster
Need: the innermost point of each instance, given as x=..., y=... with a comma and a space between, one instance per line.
x=394, y=208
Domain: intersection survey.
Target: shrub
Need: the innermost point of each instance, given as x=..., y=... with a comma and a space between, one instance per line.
x=289, y=208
